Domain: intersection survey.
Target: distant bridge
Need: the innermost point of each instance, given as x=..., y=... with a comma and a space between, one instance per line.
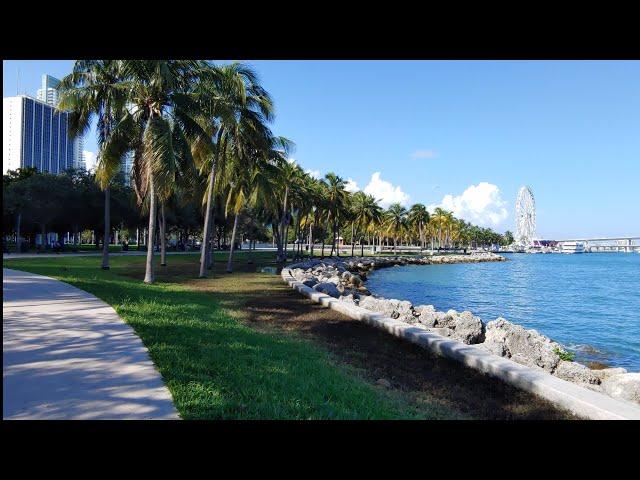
x=607, y=244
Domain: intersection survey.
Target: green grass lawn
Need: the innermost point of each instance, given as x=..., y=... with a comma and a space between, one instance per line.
x=214, y=363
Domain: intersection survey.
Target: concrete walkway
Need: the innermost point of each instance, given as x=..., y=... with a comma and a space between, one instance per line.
x=67, y=355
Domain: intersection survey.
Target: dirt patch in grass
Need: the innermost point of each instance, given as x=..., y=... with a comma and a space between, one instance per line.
x=415, y=372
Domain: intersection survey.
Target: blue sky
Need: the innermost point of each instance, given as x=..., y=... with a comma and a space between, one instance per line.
x=463, y=134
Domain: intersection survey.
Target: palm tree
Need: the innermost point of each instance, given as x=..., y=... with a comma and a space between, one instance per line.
x=418, y=218
x=336, y=197
x=366, y=213
x=233, y=93
x=442, y=220
x=248, y=158
x=92, y=90
x=289, y=173
x=396, y=222
x=160, y=125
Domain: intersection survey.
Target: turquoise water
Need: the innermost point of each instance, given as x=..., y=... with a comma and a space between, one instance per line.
x=588, y=302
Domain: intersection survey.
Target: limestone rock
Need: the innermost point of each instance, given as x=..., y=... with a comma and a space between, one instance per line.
x=625, y=386
x=576, y=373
x=310, y=282
x=605, y=373
x=327, y=288
x=393, y=308
x=468, y=328
x=426, y=315
x=527, y=347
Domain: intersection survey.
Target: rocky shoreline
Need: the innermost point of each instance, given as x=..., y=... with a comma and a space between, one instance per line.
x=344, y=280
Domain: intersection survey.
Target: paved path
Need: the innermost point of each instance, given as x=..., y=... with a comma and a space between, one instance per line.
x=67, y=355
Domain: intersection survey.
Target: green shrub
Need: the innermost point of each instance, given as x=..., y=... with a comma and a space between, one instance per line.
x=564, y=355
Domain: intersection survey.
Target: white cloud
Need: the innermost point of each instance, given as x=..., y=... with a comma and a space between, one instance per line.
x=385, y=192
x=423, y=154
x=89, y=159
x=479, y=204
x=352, y=186
x=314, y=173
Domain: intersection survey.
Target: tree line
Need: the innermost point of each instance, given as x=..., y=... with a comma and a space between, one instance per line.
x=205, y=160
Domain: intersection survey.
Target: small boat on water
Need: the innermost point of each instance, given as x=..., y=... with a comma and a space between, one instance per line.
x=572, y=247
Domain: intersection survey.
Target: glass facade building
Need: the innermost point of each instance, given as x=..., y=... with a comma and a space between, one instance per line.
x=42, y=136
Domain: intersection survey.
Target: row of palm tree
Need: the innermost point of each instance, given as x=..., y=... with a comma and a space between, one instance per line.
x=195, y=129
x=200, y=132
x=322, y=208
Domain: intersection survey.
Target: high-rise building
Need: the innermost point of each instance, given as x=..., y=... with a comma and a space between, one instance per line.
x=78, y=154
x=34, y=134
x=48, y=93
x=125, y=168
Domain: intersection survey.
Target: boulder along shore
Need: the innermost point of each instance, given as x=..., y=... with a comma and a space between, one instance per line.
x=344, y=279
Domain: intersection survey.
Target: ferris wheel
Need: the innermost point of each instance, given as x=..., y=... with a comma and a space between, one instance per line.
x=525, y=216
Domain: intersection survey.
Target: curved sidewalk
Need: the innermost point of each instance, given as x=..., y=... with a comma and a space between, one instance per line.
x=68, y=355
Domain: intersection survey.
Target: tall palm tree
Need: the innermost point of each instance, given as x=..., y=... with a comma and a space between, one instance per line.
x=159, y=125
x=234, y=93
x=441, y=219
x=336, y=197
x=396, y=222
x=418, y=218
x=92, y=90
x=289, y=175
x=366, y=213
x=247, y=159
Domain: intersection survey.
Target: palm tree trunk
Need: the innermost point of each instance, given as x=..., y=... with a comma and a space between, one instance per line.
x=207, y=227
x=107, y=229
x=233, y=240
x=163, y=238
x=310, y=240
x=333, y=238
x=286, y=240
x=280, y=257
x=149, y=274
x=212, y=242
x=361, y=248
x=395, y=245
x=353, y=244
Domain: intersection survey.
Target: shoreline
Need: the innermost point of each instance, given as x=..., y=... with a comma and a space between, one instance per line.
x=344, y=279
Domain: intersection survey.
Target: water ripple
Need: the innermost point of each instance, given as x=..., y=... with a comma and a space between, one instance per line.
x=588, y=302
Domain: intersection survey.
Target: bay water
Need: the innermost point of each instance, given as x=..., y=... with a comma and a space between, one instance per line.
x=589, y=302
